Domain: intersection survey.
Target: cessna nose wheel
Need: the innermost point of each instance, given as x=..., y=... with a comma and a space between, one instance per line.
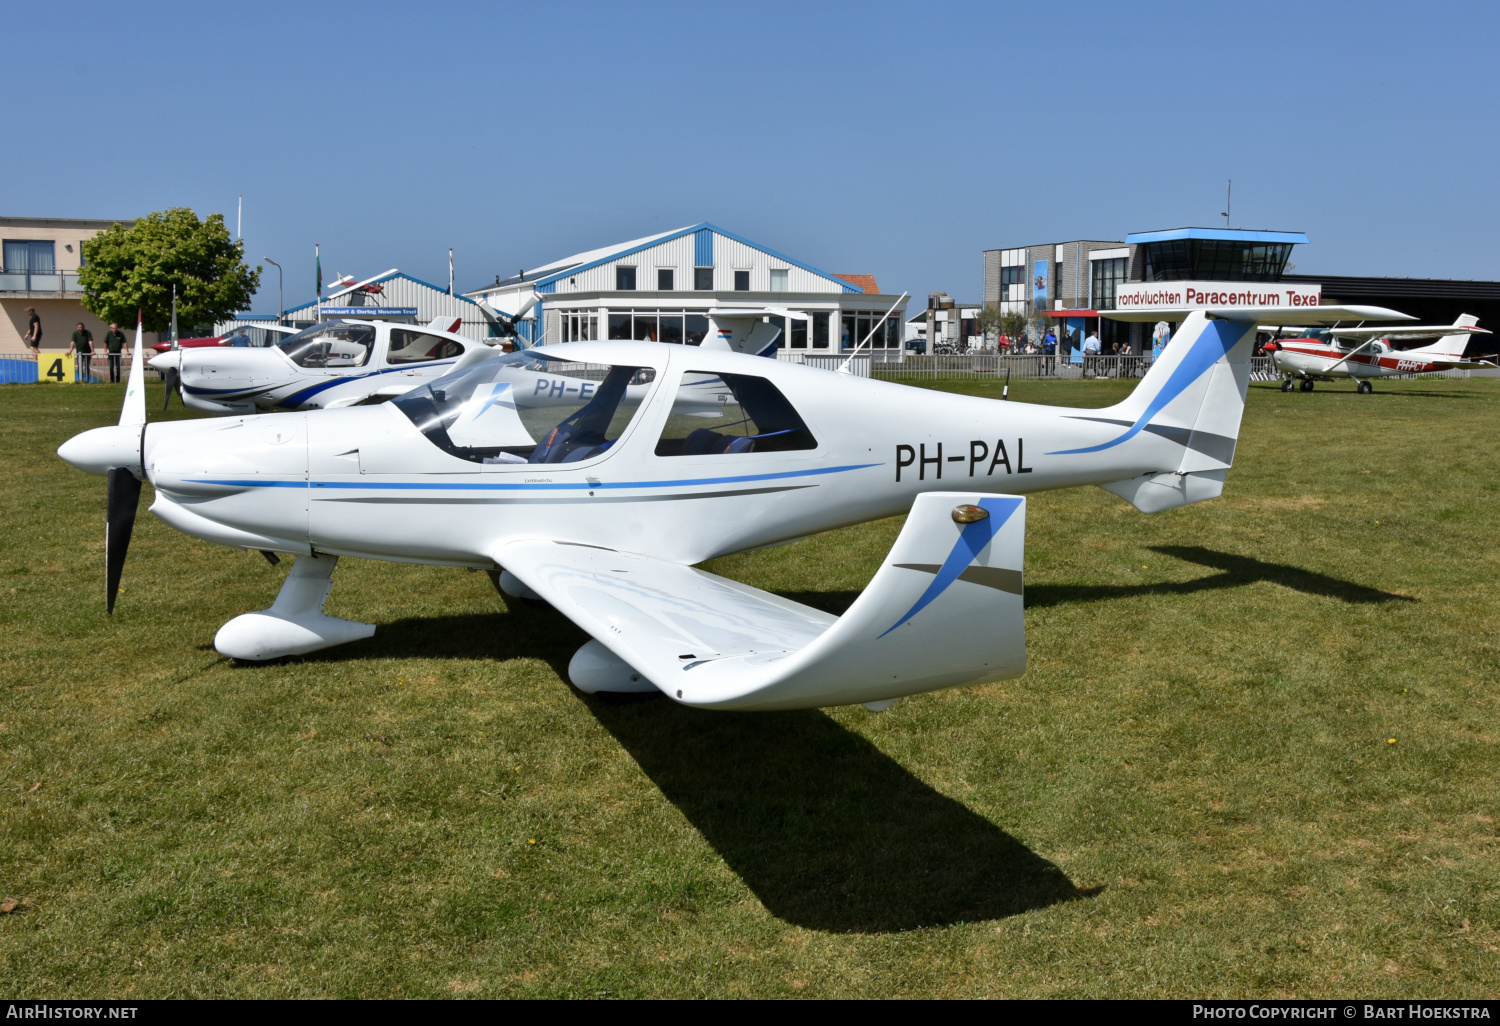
x=1287, y=384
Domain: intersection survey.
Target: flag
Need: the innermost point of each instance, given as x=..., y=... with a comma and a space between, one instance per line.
x=318, y=259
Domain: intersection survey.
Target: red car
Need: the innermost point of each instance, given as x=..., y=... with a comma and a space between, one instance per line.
x=257, y=336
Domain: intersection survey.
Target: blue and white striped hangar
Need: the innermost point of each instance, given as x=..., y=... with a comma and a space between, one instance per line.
x=396, y=297
x=663, y=287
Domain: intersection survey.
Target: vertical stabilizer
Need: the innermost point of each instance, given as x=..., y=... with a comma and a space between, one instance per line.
x=1451, y=345
x=751, y=335
x=1194, y=395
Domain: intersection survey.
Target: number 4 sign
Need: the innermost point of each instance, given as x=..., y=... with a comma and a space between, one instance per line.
x=54, y=367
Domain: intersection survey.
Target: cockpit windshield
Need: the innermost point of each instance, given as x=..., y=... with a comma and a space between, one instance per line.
x=333, y=344
x=528, y=408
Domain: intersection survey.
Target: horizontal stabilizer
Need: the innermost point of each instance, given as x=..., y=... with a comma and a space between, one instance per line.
x=944, y=609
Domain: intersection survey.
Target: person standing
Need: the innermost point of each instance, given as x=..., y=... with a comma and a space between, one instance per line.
x=114, y=347
x=82, y=345
x=33, y=331
x=1049, y=349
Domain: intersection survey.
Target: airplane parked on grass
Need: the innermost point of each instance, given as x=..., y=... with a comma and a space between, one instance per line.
x=602, y=505
x=1365, y=353
x=332, y=364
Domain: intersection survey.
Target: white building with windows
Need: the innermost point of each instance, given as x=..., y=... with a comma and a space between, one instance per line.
x=663, y=288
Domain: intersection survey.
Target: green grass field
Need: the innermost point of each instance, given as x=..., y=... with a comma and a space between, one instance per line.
x=1192, y=791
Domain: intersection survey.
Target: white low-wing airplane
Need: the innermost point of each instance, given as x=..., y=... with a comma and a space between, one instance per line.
x=602, y=506
x=1365, y=353
x=332, y=364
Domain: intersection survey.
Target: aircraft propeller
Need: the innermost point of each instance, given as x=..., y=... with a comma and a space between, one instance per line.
x=172, y=378
x=115, y=452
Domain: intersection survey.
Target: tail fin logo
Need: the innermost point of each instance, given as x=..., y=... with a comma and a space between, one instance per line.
x=971, y=542
x=1212, y=345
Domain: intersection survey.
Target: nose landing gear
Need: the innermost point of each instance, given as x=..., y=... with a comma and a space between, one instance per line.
x=1287, y=384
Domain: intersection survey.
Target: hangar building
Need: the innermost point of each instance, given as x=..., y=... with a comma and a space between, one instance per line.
x=663, y=286
x=400, y=298
x=1071, y=282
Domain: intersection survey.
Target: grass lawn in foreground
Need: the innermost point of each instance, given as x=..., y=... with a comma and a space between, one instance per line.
x=1192, y=791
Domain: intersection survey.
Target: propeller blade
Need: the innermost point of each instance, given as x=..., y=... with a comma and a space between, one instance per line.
x=124, y=498
x=170, y=379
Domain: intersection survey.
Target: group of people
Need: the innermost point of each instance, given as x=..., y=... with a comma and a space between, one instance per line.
x=81, y=347
x=1021, y=345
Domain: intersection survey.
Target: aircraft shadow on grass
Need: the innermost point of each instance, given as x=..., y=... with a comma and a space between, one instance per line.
x=826, y=830
x=829, y=832
x=1234, y=572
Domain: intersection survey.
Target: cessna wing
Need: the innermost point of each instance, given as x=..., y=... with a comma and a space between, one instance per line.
x=952, y=583
x=1270, y=316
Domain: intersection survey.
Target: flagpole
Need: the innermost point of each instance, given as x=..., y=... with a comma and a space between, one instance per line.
x=450, y=270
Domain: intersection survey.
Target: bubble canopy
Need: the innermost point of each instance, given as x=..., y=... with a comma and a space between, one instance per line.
x=529, y=407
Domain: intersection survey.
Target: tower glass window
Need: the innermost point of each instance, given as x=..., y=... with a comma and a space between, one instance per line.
x=1105, y=277
x=703, y=279
x=625, y=279
x=742, y=281
x=1215, y=260
x=664, y=279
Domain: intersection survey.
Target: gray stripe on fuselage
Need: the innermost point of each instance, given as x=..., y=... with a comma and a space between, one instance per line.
x=1217, y=447
x=997, y=577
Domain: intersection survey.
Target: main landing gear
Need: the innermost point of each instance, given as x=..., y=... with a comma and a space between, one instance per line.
x=1364, y=388
x=295, y=623
x=1307, y=384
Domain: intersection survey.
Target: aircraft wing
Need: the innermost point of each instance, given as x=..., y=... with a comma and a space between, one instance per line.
x=1408, y=332
x=944, y=609
x=1294, y=316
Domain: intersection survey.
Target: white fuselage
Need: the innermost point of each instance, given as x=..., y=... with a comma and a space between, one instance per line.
x=366, y=482
x=1310, y=358
x=231, y=380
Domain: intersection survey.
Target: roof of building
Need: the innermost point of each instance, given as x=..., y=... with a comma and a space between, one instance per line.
x=866, y=282
x=550, y=272
x=1219, y=234
x=376, y=281
x=62, y=222
x=1429, y=288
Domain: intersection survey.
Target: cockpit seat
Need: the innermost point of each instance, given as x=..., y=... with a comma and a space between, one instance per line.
x=701, y=442
x=553, y=447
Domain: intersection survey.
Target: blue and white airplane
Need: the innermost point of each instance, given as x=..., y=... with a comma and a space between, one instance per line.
x=603, y=502
x=327, y=366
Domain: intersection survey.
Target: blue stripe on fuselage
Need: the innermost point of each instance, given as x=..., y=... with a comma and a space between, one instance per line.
x=487, y=486
x=298, y=398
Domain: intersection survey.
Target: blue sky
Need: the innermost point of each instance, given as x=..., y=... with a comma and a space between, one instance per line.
x=899, y=140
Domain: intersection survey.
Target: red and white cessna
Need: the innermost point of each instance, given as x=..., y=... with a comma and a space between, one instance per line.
x=1364, y=353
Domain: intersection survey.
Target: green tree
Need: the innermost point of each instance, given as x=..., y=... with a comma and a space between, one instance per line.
x=126, y=269
x=1013, y=324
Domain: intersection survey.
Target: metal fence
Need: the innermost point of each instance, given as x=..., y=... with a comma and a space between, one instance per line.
x=859, y=366
x=27, y=368
x=989, y=364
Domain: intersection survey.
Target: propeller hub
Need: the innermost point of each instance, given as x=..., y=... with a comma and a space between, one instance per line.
x=103, y=449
